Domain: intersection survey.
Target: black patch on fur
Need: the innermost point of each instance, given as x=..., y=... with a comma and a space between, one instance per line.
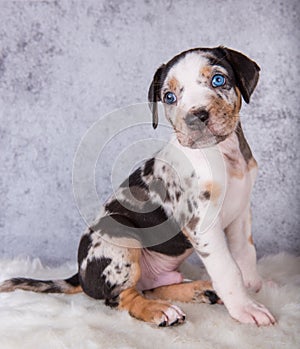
x=112, y=302
x=84, y=246
x=124, y=219
x=242, y=70
x=36, y=284
x=52, y=287
x=135, y=179
x=130, y=219
x=206, y=195
x=117, y=225
x=149, y=167
x=158, y=186
x=73, y=281
x=175, y=241
x=93, y=282
x=243, y=144
x=153, y=215
x=176, y=246
x=212, y=296
x=190, y=207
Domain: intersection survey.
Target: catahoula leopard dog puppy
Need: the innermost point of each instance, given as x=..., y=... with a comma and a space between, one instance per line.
x=171, y=195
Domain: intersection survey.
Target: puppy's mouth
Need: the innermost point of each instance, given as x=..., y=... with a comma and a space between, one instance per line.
x=199, y=139
x=203, y=142
x=204, y=134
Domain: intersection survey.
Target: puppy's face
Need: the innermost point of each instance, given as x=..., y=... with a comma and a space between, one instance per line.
x=201, y=100
x=200, y=90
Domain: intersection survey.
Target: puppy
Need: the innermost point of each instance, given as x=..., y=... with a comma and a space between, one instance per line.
x=193, y=195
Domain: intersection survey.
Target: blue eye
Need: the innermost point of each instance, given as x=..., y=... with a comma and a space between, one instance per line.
x=170, y=98
x=218, y=80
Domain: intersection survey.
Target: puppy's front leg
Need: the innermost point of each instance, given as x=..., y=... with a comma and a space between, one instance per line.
x=243, y=251
x=227, y=279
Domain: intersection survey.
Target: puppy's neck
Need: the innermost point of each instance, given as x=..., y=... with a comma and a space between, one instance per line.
x=236, y=145
x=243, y=144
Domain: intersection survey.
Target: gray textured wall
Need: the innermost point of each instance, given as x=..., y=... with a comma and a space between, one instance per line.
x=63, y=64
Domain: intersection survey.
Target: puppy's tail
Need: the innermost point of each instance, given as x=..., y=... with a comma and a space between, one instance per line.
x=69, y=286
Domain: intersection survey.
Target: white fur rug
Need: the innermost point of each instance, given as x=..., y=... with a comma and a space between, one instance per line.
x=41, y=321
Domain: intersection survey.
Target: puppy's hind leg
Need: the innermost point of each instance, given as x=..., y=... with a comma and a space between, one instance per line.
x=188, y=292
x=157, y=312
x=109, y=269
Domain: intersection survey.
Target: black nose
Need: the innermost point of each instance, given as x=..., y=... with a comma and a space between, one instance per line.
x=197, y=117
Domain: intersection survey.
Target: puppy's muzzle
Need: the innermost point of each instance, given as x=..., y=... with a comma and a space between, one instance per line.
x=197, y=119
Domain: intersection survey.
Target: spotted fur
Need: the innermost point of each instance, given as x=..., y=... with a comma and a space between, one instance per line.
x=171, y=205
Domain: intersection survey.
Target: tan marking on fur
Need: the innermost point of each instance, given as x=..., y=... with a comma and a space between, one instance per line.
x=250, y=240
x=138, y=306
x=185, y=232
x=173, y=84
x=73, y=290
x=141, y=308
x=237, y=174
x=206, y=72
x=239, y=100
x=252, y=164
x=6, y=286
x=185, y=292
x=223, y=117
x=193, y=223
x=214, y=189
x=235, y=169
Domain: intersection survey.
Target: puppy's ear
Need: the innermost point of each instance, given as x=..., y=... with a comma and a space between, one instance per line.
x=245, y=70
x=154, y=93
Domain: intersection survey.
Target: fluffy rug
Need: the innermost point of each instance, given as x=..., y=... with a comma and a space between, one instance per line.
x=30, y=320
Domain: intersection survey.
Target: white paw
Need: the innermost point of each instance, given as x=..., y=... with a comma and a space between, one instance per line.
x=172, y=316
x=252, y=313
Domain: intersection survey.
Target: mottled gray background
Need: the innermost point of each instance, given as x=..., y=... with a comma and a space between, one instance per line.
x=64, y=64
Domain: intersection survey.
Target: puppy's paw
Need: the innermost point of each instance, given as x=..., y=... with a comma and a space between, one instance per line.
x=170, y=316
x=159, y=313
x=252, y=313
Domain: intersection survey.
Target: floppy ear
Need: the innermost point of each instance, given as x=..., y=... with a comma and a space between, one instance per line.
x=245, y=70
x=154, y=93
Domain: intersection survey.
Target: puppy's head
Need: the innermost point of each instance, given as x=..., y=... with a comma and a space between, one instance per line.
x=201, y=91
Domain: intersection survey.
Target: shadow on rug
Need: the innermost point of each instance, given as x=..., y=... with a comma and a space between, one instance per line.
x=30, y=320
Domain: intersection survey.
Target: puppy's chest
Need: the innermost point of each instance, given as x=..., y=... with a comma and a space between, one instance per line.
x=207, y=184
x=237, y=197
x=241, y=175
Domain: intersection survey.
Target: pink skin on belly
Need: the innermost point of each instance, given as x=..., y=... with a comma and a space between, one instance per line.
x=159, y=270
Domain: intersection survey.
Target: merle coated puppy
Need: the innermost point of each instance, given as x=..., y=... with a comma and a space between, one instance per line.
x=193, y=195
